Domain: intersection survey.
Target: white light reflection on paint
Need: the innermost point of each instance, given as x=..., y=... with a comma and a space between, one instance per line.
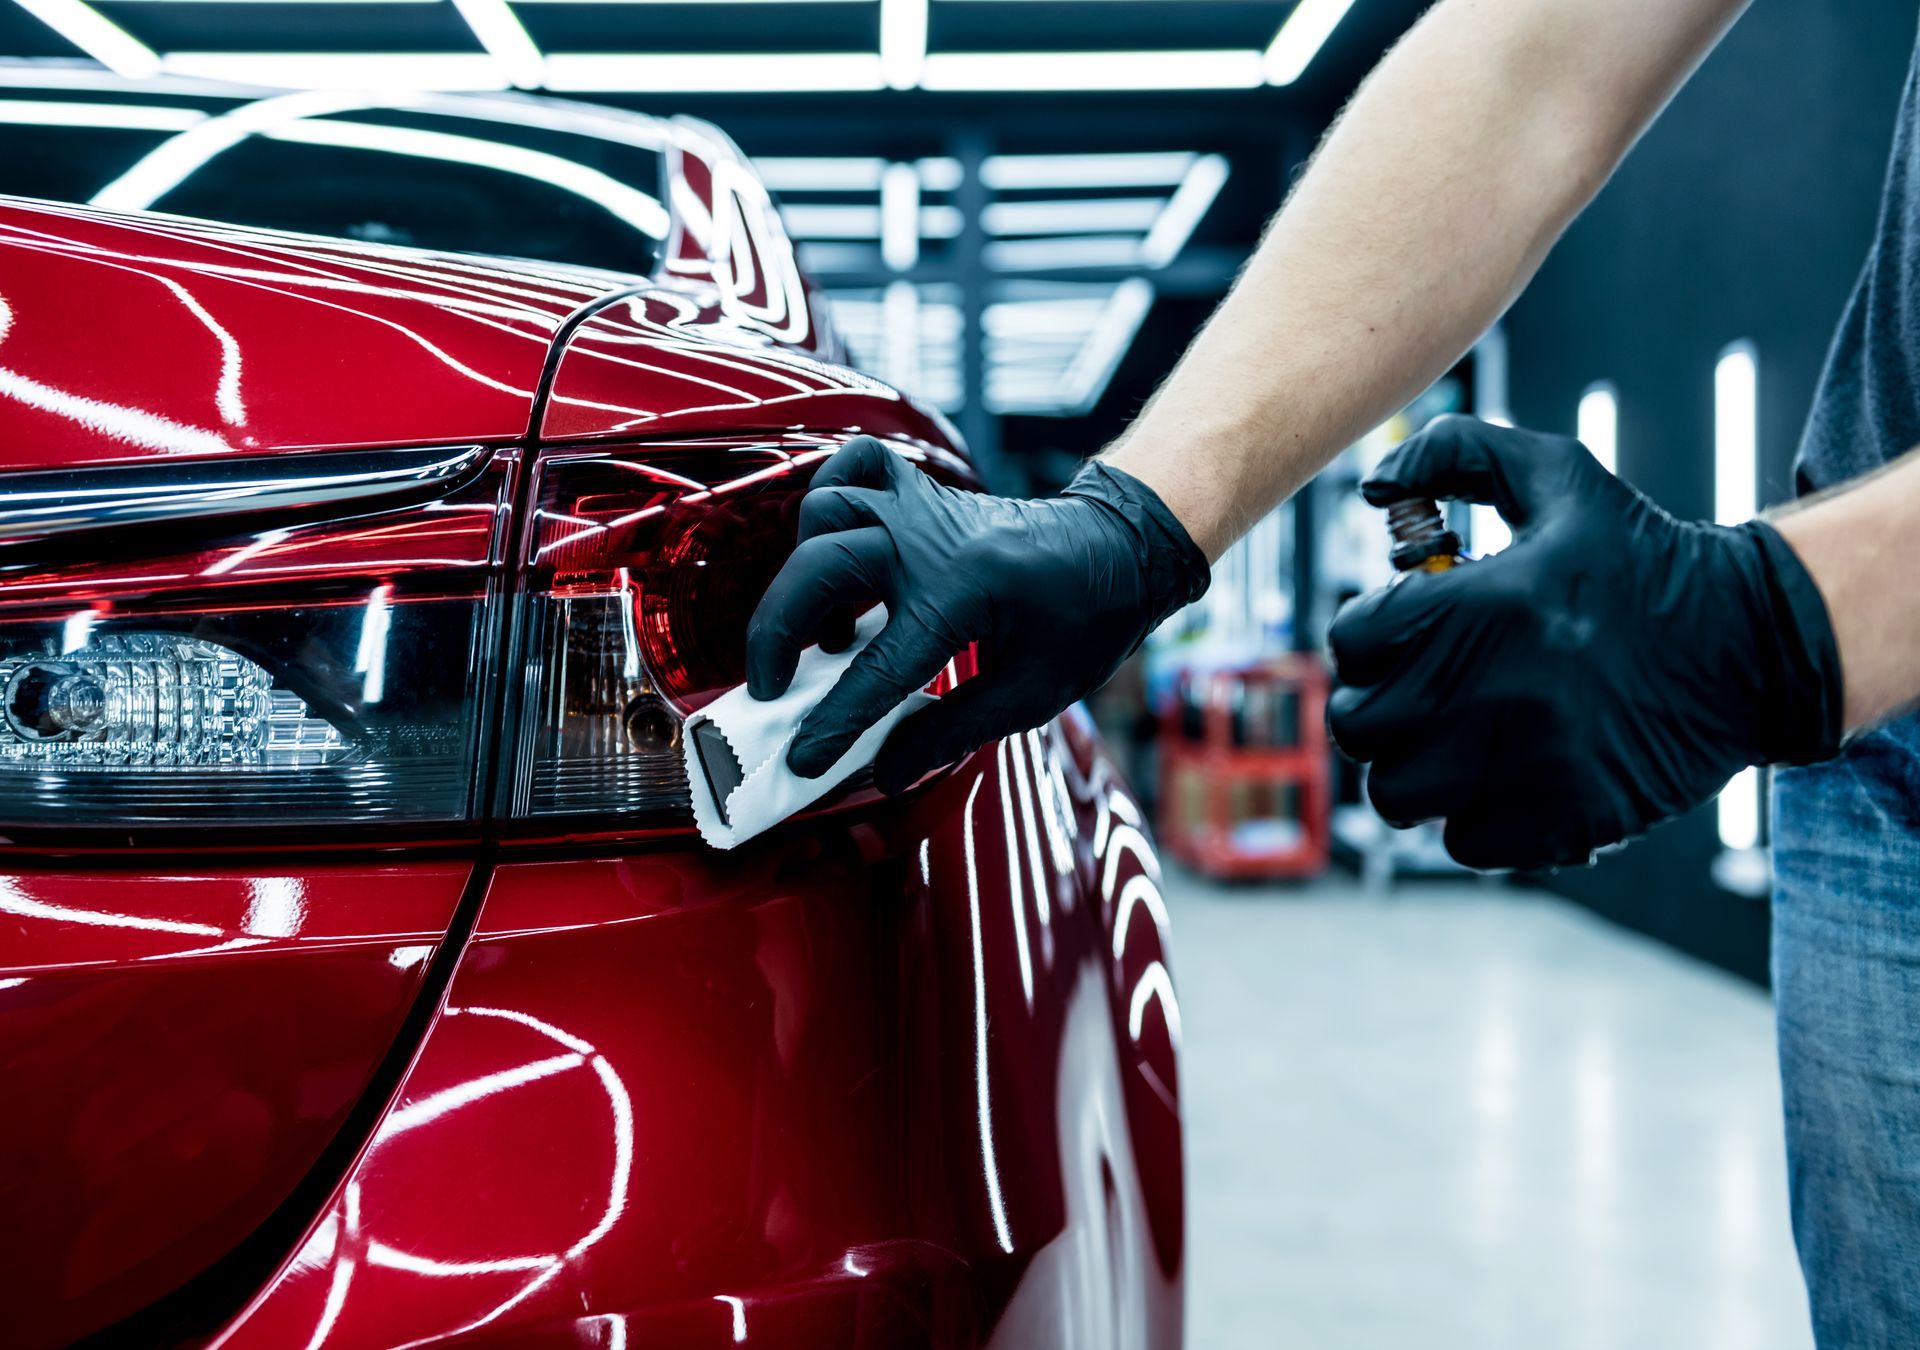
x=14, y=901
x=739, y=1308
x=277, y=908
x=542, y=1268
x=1016, y=893
x=853, y=1267
x=1127, y=839
x=994, y=1200
x=129, y=425
x=1154, y=982
x=19, y=980
x=406, y=958
x=1031, y=832
x=343, y=1271
x=474, y=1089
x=1139, y=890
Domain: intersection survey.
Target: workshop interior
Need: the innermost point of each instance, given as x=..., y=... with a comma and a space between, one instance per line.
x=409, y=932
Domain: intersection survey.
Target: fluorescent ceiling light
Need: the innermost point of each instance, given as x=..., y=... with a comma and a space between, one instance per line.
x=1011, y=173
x=1093, y=369
x=1736, y=435
x=1301, y=37
x=125, y=116
x=803, y=174
x=1109, y=215
x=99, y=37
x=1046, y=255
x=810, y=221
x=939, y=174
x=900, y=217
x=903, y=41
x=1184, y=211
x=1044, y=71
x=506, y=40
x=345, y=70
x=636, y=208
x=1597, y=424
x=900, y=322
x=716, y=73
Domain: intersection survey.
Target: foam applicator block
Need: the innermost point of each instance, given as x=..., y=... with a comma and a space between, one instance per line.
x=736, y=746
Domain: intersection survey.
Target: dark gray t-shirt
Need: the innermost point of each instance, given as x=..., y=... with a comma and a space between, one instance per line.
x=1867, y=410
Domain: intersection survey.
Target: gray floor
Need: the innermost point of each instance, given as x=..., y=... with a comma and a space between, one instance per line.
x=1470, y=1117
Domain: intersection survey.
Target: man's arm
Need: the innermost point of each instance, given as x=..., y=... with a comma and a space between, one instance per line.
x=1859, y=542
x=1448, y=177
x=1425, y=212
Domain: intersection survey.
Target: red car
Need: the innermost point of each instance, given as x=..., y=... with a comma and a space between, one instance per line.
x=362, y=981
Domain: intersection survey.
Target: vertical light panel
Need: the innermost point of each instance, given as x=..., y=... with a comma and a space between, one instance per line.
x=1736, y=434
x=903, y=42
x=1598, y=424
x=1736, y=496
x=900, y=216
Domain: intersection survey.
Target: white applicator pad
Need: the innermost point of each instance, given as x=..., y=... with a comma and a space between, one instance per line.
x=732, y=802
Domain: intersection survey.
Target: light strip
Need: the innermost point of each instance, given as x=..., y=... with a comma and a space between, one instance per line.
x=122, y=116
x=1736, y=434
x=99, y=37
x=1597, y=424
x=1043, y=255
x=716, y=73
x=1185, y=209
x=1012, y=173
x=806, y=174
x=900, y=217
x=1093, y=369
x=903, y=41
x=1301, y=37
x=500, y=31
x=994, y=72
x=1107, y=215
x=1736, y=496
x=351, y=70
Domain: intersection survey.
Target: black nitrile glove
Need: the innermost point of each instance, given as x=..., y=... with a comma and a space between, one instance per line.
x=1612, y=668
x=1056, y=592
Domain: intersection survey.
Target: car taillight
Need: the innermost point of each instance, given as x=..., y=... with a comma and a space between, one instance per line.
x=307, y=675
x=642, y=570
x=348, y=672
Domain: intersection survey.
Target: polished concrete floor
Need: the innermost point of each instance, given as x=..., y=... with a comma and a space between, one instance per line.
x=1465, y=1116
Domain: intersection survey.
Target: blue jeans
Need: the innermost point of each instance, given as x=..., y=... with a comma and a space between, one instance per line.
x=1846, y=972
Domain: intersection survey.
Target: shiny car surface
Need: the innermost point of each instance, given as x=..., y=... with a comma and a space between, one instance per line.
x=362, y=982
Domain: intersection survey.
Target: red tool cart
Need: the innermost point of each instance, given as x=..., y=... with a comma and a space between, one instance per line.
x=1243, y=769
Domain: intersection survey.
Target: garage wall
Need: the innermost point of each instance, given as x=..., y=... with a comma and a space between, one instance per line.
x=1744, y=214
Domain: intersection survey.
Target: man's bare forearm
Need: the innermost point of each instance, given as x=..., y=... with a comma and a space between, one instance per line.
x=1858, y=542
x=1425, y=212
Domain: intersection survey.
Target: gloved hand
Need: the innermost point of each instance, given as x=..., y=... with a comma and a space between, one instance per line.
x=1057, y=593
x=1612, y=668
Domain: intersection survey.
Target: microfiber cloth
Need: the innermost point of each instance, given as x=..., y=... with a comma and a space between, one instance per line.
x=736, y=746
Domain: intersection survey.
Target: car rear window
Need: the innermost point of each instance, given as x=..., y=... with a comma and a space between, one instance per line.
x=381, y=196
x=68, y=164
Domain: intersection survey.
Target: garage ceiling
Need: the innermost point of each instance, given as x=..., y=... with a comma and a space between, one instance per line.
x=697, y=46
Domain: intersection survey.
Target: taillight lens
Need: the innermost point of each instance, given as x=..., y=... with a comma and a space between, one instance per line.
x=347, y=672
x=312, y=675
x=642, y=571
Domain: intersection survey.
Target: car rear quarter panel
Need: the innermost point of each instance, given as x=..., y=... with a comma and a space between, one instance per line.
x=177, y=1051
x=904, y=1079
